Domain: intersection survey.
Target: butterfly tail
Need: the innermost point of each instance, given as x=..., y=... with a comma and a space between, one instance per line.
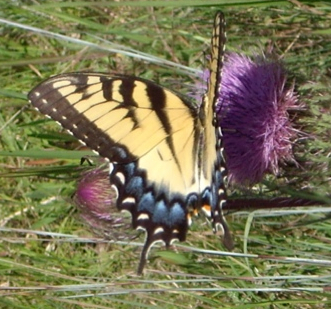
x=218, y=219
x=220, y=222
x=144, y=255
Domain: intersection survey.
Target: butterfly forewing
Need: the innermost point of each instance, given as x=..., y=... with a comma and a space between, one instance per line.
x=110, y=112
x=213, y=163
x=214, y=91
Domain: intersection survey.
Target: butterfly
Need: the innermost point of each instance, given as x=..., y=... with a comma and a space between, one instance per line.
x=165, y=153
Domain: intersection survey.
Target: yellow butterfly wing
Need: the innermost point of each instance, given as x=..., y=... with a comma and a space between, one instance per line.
x=164, y=153
x=213, y=135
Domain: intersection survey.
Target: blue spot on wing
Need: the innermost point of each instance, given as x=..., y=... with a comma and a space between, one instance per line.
x=160, y=213
x=130, y=169
x=120, y=152
x=177, y=214
x=218, y=178
x=168, y=215
x=147, y=203
x=135, y=187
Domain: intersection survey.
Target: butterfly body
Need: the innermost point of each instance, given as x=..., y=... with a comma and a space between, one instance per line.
x=164, y=152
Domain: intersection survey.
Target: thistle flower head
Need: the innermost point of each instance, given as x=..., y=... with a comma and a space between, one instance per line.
x=252, y=110
x=96, y=201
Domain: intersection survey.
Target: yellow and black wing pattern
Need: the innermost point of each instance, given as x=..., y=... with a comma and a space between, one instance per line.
x=165, y=155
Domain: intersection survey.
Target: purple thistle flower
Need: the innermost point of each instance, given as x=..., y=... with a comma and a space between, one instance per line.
x=252, y=110
x=96, y=201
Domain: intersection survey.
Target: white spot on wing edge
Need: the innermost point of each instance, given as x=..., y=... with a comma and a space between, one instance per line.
x=158, y=230
x=120, y=177
x=129, y=199
x=219, y=228
x=173, y=240
x=143, y=217
x=111, y=168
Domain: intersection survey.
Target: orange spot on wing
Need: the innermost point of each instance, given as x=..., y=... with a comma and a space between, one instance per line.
x=207, y=208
